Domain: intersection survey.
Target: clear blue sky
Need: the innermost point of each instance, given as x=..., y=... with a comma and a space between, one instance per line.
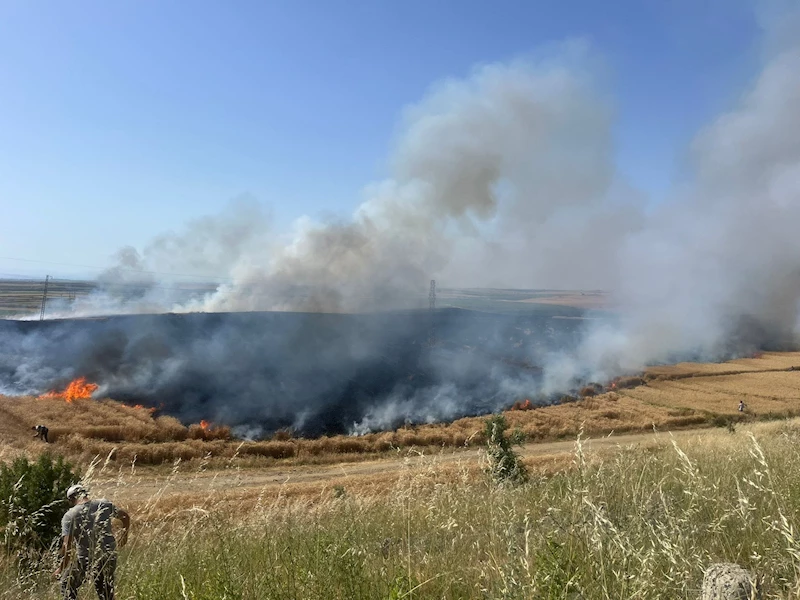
x=119, y=120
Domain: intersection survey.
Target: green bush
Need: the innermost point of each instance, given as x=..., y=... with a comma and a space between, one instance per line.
x=504, y=464
x=32, y=502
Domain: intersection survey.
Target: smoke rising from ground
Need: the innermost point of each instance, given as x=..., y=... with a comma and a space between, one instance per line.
x=316, y=373
x=505, y=178
x=717, y=271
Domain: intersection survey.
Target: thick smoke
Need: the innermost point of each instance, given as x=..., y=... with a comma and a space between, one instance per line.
x=511, y=144
x=317, y=373
x=716, y=272
x=505, y=178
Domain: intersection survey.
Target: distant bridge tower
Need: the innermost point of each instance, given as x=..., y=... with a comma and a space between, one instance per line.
x=432, y=295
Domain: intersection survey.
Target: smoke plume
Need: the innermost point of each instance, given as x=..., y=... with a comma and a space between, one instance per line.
x=314, y=372
x=716, y=271
x=505, y=178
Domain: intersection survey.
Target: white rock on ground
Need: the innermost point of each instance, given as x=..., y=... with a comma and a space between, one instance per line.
x=728, y=581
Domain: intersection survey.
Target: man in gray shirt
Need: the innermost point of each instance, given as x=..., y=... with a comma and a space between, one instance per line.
x=86, y=527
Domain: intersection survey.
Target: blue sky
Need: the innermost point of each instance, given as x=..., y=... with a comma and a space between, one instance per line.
x=119, y=120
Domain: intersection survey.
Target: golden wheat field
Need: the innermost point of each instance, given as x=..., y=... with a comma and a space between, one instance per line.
x=656, y=507
x=126, y=438
x=640, y=478
x=665, y=397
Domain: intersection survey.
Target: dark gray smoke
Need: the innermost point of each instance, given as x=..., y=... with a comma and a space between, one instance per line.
x=316, y=373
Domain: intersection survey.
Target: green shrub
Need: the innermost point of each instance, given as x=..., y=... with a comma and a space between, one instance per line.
x=402, y=587
x=504, y=464
x=32, y=502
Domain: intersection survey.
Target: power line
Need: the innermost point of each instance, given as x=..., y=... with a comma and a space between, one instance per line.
x=176, y=286
x=432, y=313
x=184, y=292
x=75, y=287
x=118, y=268
x=44, y=298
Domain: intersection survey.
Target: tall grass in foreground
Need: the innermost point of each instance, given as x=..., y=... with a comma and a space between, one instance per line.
x=643, y=524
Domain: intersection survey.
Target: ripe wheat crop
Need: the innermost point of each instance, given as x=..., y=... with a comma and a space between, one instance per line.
x=639, y=523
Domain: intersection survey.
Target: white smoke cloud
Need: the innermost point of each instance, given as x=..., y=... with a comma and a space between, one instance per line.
x=717, y=268
x=506, y=178
x=503, y=177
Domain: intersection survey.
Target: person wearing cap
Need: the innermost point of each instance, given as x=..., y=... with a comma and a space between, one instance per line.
x=41, y=432
x=86, y=527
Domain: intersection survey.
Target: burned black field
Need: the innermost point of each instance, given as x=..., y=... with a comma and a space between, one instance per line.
x=314, y=373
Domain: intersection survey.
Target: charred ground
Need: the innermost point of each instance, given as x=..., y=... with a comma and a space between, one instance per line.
x=314, y=373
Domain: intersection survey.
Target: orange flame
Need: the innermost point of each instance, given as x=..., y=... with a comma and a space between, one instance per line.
x=205, y=425
x=526, y=405
x=150, y=409
x=78, y=389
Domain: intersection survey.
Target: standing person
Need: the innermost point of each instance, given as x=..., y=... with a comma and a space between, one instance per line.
x=41, y=432
x=86, y=528
x=741, y=405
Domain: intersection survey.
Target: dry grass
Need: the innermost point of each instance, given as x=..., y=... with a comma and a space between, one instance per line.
x=671, y=397
x=761, y=362
x=602, y=523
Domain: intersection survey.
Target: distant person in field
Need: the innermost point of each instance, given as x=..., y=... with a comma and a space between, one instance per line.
x=741, y=405
x=41, y=432
x=86, y=532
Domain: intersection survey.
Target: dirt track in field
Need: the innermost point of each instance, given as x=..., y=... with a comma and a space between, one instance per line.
x=146, y=489
x=676, y=397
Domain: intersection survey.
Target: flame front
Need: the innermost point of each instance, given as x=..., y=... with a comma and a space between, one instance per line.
x=205, y=425
x=77, y=389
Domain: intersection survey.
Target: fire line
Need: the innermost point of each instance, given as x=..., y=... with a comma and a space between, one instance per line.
x=78, y=389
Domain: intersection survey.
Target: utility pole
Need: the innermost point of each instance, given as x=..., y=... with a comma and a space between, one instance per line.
x=44, y=298
x=432, y=314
